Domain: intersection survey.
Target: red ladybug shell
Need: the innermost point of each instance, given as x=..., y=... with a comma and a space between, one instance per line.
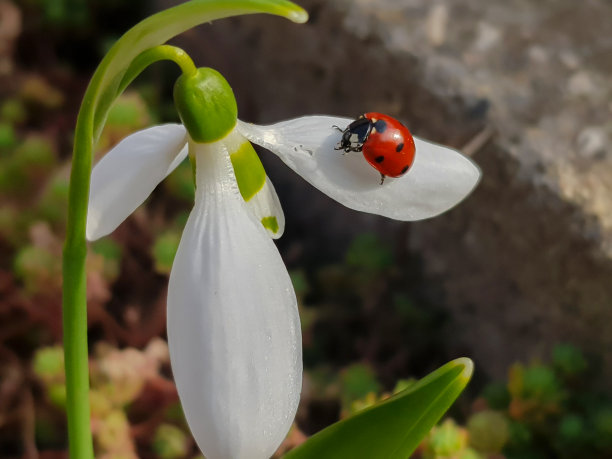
x=389, y=147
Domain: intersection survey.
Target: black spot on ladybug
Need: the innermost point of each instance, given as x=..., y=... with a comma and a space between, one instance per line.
x=405, y=169
x=379, y=159
x=400, y=147
x=380, y=126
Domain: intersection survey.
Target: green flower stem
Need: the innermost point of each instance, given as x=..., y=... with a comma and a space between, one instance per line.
x=156, y=54
x=113, y=74
x=75, y=312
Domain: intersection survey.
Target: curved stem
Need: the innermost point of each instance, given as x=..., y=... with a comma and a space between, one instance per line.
x=156, y=54
x=109, y=80
x=75, y=280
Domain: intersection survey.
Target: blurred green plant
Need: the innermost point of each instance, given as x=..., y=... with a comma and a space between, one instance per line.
x=447, y=441
x=129, y=113
x=63, y=12
x=13, y=111
x=112, y=436
x=53, y=201
x=180, y=184
x=488, y=431
x=110, y=254
x=357, y=381
x=8, y=138
x=372, y=397
x=568, y=361
x=118, y=379
x=369, y=253
x=28, y=164
x=38, y=94
x=170, y=442
x=38, y=268
x=544, y=410
x=48, y=365
x=536, y=393
x=164, y=249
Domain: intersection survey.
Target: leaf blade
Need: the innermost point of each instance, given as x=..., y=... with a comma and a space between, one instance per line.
x=393, y=428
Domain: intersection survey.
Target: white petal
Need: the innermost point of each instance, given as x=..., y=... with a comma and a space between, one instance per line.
x=265, y=207
x=233, y=324
x=439, y=178
x=128, y=173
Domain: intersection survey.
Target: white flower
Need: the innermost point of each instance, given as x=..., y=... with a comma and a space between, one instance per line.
x=233, y=324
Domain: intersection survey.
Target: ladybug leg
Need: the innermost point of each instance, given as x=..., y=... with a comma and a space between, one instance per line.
x=338, y=128
x=346, y=148
x=349, y=148
x=382, y=178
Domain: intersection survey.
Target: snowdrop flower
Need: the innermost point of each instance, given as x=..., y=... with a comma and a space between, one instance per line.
x=233, y=324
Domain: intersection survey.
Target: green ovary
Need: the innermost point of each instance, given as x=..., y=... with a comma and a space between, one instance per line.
x=249, y=171
x=270, y=223
x=206, y=104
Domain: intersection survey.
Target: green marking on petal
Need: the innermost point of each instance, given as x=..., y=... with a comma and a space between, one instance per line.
x=250, y=173
x=270, y=223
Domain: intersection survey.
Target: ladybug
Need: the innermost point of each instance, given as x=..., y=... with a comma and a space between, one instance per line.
x=385, y=143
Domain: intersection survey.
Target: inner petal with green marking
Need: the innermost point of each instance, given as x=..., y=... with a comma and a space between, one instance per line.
x=249, y=171
x=255, y=187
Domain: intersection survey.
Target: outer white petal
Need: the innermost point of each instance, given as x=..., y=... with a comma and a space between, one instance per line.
x=128, y=173
x=439, y=178
x=233, y=324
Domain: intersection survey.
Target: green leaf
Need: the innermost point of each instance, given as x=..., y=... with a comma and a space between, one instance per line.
x=393, y=428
